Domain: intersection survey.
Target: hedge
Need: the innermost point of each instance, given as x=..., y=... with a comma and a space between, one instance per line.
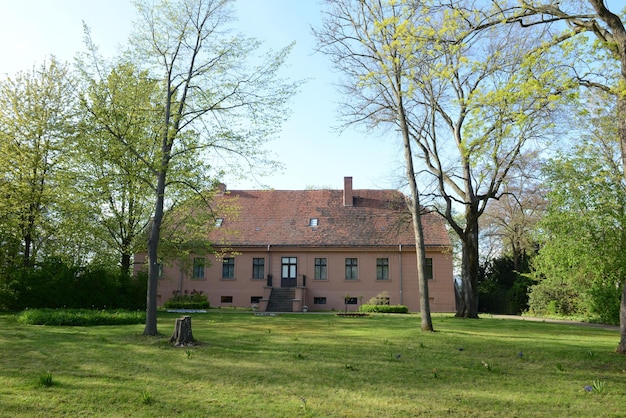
x=384, y=308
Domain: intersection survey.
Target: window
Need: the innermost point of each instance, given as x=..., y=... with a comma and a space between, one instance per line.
x=319, y=301
x=226, y=299
x=258, y=268
x=228, y=268
x=352, y=272
x=428, y=269
x=160, y=270
x=255, y=299
x=219, y=222
x=382, y=269
x=289, y=265
x=350, y=301
x=313, y=221
x=320, y=269
x=198, y=268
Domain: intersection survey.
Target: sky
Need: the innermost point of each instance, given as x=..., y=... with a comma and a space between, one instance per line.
x=314, y=153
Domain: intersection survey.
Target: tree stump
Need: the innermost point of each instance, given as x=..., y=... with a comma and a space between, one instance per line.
x=182, y=332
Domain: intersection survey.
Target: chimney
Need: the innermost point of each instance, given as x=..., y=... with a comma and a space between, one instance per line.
x=348, y=200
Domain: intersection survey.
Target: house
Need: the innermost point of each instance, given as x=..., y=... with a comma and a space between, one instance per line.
x=289, y=250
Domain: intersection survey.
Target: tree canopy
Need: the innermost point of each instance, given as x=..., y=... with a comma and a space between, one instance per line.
x=215, y=95
x=472, y=100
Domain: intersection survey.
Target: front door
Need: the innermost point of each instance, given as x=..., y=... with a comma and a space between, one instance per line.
x=289, y=271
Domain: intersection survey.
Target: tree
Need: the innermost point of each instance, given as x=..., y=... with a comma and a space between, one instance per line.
x=508, y=238
x=361, y=39
x=114, y=182
x=508, y=222
x=583, y=17
x=214, y=96
x=472, y=102
x=580, y=266
x=37, y=120
x=504, y=285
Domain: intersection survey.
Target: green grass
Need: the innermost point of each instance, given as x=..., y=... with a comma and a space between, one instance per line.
x=317, y=365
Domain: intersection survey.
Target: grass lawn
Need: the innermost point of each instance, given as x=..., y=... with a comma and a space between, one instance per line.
x=312, y=365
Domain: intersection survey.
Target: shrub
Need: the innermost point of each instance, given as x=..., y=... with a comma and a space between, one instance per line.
x=194, y=300
x=80, y=317
x=379, y=299
x=384, y=308
x=604, y=301
x=554, y=297
x=54, y=284
x=502, y=287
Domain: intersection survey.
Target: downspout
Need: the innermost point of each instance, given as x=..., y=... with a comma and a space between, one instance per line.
x=400, y=256
x=269, y=262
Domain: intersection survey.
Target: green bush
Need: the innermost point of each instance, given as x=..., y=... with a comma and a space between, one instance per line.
x=604, y=301
x=502, y=288
x=80, y=317
x=383, y=308
x=554, y=297
x=54, y=284
x=187, y=300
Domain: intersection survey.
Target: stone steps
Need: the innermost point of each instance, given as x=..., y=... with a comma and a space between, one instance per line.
x=281, y=300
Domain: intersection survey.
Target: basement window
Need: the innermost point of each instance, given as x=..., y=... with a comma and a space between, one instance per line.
x=226, y=299
x=319, y=301
x=255, y=299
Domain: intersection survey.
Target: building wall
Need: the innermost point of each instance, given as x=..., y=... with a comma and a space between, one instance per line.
x=401, y=287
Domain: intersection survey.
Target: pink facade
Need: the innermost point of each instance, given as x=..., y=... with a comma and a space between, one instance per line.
x=243, y=290
x=325, y=245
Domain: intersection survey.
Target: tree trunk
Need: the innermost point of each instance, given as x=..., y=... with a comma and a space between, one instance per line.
x=427, y=323
x=415, y=208
x=182, y=335
x=616, y=26
x=621, y=114
x=468, y=306
x=27, y=244
x=153, y=267
x=125, y=264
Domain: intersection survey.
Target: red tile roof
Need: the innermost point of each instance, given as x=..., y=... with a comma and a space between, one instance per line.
x=282, y=218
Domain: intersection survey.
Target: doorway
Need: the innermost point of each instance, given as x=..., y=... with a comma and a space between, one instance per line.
x=289, y=272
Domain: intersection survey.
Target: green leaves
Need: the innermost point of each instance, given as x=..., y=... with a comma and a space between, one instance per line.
x=582, y=235
x=37, y=121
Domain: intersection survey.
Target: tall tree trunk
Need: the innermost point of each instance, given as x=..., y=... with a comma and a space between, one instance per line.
x=468, y=306
x=420, y=252
x=621, y=130
x=416, y=215
x=153, y=268
x=616, y=26
x=621, y=347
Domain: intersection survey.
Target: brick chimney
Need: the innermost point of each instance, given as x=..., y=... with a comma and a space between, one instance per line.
x=348, y=199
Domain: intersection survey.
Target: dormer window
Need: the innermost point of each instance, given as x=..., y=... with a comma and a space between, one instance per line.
x=218, y=222
x=313, y=221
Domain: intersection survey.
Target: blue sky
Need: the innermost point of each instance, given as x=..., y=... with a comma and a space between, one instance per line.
x=313, y=152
